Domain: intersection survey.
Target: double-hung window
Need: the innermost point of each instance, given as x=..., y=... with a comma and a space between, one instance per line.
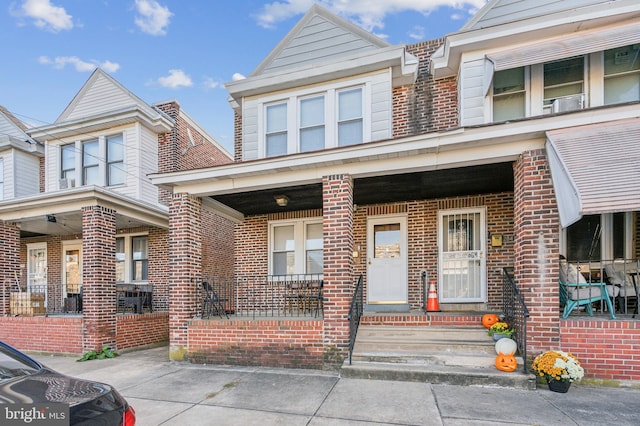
x=276, y=129
x=91, y=163
x=312, y=126
x=509, y=95
x=68, y=163
x=132, y=258
x=622, y=74
x=350, y=120
x=296, y=247
x=600, y=237
x=563, y=79
x=115, y=160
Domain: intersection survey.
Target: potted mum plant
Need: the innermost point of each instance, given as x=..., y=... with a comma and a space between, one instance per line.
x=559, y=369
x=500, y=330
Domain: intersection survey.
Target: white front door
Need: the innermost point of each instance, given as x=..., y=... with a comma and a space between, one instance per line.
x=72, y=269
x=462, y=260
x=387, y=260
x=37, y=267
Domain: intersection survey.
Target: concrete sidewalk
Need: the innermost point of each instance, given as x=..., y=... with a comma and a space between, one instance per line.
x=168, y=393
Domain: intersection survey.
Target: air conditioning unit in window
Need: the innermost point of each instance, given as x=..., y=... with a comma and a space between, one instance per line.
x=67, y=183
x=568, y=103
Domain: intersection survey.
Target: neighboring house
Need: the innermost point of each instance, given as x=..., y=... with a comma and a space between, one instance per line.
x=503, y=145
x=94, y=242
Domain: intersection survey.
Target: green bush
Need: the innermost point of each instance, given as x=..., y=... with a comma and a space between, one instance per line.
x=104, y=353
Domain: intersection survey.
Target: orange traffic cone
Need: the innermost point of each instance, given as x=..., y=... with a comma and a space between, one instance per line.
x=432, y=298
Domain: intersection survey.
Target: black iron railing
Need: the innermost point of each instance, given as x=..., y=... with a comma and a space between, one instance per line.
x=261, y=296
x=515, y=312
x=355, y=312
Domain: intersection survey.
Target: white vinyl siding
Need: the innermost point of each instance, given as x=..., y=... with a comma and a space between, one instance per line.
x=99, y=99
x=26, y=174
x=472, y=93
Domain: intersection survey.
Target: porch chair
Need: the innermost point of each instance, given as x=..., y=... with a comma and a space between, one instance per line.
x=576, y=291
x=212, y=303
x=624, y=277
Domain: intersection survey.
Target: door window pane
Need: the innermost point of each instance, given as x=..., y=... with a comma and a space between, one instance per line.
x=387, y=240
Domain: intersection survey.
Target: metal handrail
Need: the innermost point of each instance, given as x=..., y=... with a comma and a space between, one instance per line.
x=355, y=312
x=515, y=312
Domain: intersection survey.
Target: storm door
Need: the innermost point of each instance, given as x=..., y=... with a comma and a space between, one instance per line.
x=462, y=261
x=387, y=260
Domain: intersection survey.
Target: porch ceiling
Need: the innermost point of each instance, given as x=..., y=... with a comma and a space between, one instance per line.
x=480, y=179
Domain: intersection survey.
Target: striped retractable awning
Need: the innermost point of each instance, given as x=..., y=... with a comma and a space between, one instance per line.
x=595, y=168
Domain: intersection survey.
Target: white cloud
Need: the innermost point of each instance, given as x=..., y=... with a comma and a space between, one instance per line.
x=46, y=16
x=237, y=76
x=210, y=83
x=417, y=32
x=153, y=18
x=59, y=62
x=176, y=79
x=365, y=13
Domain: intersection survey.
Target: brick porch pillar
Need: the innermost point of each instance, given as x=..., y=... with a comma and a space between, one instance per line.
x=185, y=263
x=337, y=224
x=9, y=262
x=536, y=249
x=98, y=277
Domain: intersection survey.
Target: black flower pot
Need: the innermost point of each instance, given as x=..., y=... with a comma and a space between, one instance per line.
x=558, y=386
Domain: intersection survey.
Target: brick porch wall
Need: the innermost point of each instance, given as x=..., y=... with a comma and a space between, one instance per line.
x=9, y=259
x=44, y=334
x=536, y=248
x=141, y=330
x=607, y=350
x=274, y=343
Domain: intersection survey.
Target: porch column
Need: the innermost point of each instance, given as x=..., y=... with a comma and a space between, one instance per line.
x=185, y=261
x=98, y=277
x=536, y=249
x=9, y=261
x=337, y=225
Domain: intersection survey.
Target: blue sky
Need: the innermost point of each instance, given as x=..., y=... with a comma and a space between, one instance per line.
x=176, y=49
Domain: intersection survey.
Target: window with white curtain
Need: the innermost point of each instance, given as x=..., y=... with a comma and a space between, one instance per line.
x=312, y=128
x=90, y=163
x=509, y=95
x=350, y=131
x=132, y=258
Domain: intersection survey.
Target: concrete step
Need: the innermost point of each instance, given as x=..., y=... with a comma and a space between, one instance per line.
x=456, y=355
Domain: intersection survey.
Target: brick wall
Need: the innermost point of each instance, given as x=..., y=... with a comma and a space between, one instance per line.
x=536, y=249
x=337, y=228
x=9, y=259
x=185, y=258
x=98, y=277
x=43, y=334
x=607, y=350
x=142, y=330
x=217, y=245
x=428, y=105
x=275, y=343
x=159, y=267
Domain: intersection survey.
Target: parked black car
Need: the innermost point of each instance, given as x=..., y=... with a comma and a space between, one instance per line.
x=24, y=380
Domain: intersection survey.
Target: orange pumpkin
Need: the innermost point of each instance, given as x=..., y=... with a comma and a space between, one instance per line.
x=489, y=319
x=506, y=363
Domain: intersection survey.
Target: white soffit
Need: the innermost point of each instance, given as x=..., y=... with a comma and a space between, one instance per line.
x=566, y=47
x=595, y=169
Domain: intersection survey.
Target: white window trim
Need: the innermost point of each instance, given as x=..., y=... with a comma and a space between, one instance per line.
x=299, y=127
x=299, y=235
x=2, y=178
x=331, y=121
x=128, y=256
x=102, y=158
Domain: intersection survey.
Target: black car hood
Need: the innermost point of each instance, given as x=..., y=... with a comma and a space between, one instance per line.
x=49, y=386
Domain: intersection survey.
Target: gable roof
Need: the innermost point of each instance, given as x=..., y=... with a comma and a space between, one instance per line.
x=13, y=133
x=320, y=36
x=102, y=94
x=498, y=12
